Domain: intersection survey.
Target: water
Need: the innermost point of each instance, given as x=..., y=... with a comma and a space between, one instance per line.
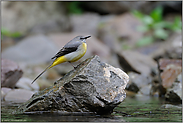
x=138, y=109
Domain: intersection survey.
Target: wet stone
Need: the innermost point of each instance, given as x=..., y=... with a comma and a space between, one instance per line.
x=173, y=97
x=93, y=86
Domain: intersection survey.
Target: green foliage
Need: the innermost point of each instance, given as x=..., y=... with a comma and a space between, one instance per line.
x=155, y=26
x=145, y=41
x=177, y=25
x=7, y=33
x=156, y=14
x=74, y=7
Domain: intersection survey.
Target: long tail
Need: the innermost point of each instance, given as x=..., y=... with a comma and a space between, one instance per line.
x=42, y=73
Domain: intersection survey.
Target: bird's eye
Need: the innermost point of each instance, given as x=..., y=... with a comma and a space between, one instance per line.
x=81, y=38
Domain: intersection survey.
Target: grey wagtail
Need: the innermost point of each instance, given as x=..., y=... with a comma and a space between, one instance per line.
x=71, y=52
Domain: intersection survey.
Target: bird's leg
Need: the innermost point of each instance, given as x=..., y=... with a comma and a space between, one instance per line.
x=72, y=65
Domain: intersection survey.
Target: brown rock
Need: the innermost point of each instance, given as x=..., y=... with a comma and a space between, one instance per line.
x=164, y=62
x=170, y=68
x=11, y=73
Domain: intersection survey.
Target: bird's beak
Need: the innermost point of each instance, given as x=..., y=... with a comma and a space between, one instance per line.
x=86, y=37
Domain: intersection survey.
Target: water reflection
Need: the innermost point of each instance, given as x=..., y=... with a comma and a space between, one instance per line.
x=137, y=109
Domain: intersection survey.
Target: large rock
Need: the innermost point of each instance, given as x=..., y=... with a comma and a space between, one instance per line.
x=93, y=86
x=10, y=73
x=32, y=50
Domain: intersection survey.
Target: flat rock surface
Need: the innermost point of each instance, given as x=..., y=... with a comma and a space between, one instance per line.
x=93, y=86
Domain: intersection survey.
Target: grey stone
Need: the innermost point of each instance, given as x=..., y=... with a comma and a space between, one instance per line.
x=25, y=83
x=136, y=62
x=32, y=50
x=4, y=91
x=10, y=73
x=146, y=90
x=18, y=95
x=132, y=87
x=94, y=86
x=139, y=79
x=139, y=82
x=173, y=97
x=174, y=94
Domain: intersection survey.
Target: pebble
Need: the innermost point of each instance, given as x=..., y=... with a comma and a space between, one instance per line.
x=18, y=95
x=25, y=83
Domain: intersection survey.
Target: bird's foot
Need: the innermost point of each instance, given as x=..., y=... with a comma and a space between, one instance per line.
x=73, y=66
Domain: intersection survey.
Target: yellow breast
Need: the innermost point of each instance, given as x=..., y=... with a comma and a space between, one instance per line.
x=71, y=57
x=79, y=53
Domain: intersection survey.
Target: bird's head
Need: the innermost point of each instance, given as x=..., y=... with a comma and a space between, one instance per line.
x=83, y=38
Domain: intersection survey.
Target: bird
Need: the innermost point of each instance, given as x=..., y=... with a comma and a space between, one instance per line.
x=71, y=52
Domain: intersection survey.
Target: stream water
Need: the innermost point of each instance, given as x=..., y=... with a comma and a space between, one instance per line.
x=137, y=109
